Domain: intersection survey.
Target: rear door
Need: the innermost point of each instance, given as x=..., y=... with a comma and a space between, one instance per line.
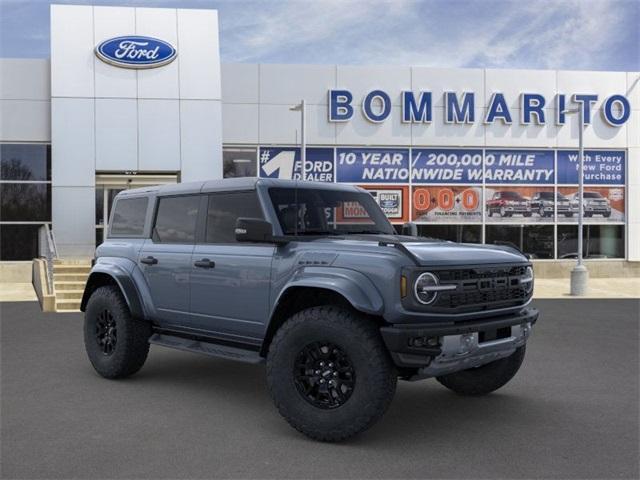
x=165, y=258
x=230, y=281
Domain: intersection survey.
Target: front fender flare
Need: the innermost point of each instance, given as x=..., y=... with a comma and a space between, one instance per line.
x=124, y=280
x=351, y=284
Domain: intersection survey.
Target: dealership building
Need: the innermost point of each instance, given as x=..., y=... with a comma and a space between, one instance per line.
x=472, y=155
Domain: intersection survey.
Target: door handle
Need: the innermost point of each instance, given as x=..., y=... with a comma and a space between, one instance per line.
x=149, y=260
x=205, y=263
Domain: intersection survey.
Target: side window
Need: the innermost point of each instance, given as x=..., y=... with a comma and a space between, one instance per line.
x=128, y=217
x=176, y=219
x=224, y=209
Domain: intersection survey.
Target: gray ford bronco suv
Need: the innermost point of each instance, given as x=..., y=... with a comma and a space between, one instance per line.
x=313, y=280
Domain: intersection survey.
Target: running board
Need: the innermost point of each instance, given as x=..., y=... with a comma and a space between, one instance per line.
x=206, y=348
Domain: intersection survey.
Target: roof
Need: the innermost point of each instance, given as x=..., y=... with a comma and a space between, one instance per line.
x=230, y=184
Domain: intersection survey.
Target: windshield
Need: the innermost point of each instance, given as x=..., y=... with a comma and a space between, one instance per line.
x=592, y=195
x=546, y=195
x=328, y=212
x=511, y=196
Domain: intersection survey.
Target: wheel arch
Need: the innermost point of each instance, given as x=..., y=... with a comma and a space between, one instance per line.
x=314, y=288
x=116, y=276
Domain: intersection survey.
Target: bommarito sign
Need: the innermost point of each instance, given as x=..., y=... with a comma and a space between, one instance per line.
x=460, y=108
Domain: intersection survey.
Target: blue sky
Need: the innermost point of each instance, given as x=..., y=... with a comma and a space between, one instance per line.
x=546, y=34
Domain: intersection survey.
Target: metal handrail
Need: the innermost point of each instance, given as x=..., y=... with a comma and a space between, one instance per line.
x=50, y=252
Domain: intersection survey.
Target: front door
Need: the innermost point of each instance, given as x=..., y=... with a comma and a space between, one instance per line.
x=230, y=281
x=165, y=258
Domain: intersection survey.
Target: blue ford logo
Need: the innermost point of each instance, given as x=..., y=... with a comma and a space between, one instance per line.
x=134, y=51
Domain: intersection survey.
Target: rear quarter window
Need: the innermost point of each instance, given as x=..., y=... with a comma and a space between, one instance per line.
x=128, y=217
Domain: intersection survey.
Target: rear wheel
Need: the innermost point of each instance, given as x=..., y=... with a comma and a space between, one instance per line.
x=485, y=379
x=117, y=345
x=329, y=373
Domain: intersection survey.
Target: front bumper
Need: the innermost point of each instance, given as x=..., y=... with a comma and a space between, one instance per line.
x=517, y=209
x=597, y=209
x=439, y=348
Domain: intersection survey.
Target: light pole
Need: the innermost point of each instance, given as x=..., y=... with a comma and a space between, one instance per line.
x=303, y=140
x=580, y=274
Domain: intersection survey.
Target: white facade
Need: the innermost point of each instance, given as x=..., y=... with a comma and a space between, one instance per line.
x=174, y=119
x=105, y=118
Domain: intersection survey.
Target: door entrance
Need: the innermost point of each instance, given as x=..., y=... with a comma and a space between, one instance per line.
x=109, y=185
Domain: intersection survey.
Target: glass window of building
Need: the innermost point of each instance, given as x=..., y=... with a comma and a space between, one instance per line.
x=453, y=233
x=25, y=198
x=239, y=162
x=598, y=241
x=25, y=162
x=534, y=240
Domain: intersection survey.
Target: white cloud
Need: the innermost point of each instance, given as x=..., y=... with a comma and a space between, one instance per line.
x=580, y=34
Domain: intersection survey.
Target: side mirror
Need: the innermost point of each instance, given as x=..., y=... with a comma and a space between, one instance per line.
x=410, y=229
x=254, y=230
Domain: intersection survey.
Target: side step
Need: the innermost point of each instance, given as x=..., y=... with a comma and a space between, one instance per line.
x=206, y=348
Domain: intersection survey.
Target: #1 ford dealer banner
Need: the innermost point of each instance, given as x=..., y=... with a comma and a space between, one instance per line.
x=285, y=163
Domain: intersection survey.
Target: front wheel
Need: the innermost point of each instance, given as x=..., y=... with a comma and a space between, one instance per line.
x=117, y=345
x=485, y=379
x=329, y=373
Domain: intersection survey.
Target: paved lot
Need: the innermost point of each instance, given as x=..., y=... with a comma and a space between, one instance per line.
x=572, y=412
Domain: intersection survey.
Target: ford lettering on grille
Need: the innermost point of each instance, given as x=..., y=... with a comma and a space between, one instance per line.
x=484, y=288
x=136, y=52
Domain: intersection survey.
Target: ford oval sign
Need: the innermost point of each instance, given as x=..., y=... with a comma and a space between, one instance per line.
x=134, y=51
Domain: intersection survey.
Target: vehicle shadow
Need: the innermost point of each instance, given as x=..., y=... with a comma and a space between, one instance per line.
x=419, y=409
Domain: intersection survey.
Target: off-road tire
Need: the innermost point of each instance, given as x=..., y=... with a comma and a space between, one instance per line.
x=132, y=342
x=375, y=374
x=484, y=379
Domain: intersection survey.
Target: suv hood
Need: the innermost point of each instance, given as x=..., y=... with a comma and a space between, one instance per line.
x=432, y=252
x=458, y=254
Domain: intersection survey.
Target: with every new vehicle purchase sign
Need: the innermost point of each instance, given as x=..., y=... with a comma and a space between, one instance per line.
x=311, y=279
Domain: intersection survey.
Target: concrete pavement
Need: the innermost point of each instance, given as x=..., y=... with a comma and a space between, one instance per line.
x=571, y=412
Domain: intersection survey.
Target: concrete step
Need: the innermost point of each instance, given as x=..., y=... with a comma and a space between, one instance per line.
x=62, y=285
x=67, y=305
x=70, y=277
x=69, y=294
x=74, y=269
x=72, y=261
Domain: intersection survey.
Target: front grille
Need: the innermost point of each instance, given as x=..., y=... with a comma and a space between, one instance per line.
x=482, y=288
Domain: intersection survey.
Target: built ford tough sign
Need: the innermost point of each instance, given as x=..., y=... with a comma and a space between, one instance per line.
x=312, y=279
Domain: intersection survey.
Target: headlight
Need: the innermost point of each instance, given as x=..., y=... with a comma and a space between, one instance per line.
x=527, y=279
x=427, y=287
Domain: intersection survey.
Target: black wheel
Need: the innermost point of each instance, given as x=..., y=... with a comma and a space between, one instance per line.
x=485, y=379
x=541, y=211
x=329, y=373
x=490, y=212
x=527, y=214
x=116, y=344
x=568, y=215
x=606, y=214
